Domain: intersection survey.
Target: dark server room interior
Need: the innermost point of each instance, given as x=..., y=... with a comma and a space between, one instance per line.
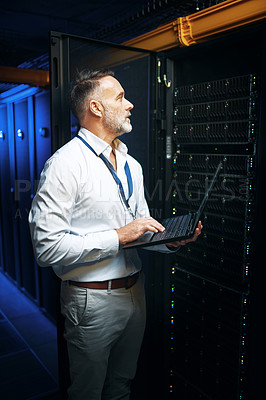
x=195, y=71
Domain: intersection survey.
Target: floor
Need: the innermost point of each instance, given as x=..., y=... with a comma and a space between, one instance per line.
x=28, y=348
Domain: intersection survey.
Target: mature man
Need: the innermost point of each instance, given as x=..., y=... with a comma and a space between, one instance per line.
x=89, y=203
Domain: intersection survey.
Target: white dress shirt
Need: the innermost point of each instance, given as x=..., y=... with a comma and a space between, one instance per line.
x=77, y=208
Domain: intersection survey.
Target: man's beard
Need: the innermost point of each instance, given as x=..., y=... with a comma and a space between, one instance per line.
x=115, y=122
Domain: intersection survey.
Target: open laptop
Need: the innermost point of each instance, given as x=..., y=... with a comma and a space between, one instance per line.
x=176, y=228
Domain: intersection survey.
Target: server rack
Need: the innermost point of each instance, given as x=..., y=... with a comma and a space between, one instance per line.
x=216, y=283
x=25, y=145
x=210, y=285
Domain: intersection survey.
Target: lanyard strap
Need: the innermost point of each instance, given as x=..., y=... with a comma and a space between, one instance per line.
x=114, y=175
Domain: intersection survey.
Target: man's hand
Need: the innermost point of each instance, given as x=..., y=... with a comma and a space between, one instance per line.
x=137, y=228
x=174, y=245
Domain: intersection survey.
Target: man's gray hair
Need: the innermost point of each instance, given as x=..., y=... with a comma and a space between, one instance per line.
x=84, y=84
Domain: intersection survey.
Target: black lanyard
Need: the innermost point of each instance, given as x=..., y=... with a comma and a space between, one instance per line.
x=114, y=175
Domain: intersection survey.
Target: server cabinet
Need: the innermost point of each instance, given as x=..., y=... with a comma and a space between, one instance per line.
x=202, y=106
x=23, y=172
x=25, y=145
x=216, y=289
x=9, y=238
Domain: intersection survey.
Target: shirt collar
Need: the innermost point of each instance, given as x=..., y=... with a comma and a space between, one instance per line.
x=100, y=145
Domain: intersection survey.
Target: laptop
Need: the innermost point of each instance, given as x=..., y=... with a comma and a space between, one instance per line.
x=177, y=228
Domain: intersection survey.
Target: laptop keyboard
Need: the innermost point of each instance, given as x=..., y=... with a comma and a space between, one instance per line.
x=174, y=227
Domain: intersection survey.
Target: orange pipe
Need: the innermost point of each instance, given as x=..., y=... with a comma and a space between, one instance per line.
x=215, y=20
x=26, y=76
x=202, y=25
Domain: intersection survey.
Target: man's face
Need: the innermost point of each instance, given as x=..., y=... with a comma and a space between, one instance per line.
x=116, y=107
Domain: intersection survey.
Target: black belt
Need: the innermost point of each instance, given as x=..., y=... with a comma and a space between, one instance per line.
x=126, y=283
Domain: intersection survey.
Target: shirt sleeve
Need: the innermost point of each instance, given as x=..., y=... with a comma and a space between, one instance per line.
x=54, y=243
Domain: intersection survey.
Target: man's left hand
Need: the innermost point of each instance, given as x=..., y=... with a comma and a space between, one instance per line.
x=174, y=245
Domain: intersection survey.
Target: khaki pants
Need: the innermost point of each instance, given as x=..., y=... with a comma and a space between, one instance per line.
x=104, y=332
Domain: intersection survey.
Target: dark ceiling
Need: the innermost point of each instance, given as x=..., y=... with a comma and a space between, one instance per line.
x=24, y=26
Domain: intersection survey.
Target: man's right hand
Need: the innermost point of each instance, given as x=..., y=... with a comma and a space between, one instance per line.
x=135, y=229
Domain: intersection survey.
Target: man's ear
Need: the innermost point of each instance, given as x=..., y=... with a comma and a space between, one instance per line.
x=96, y=108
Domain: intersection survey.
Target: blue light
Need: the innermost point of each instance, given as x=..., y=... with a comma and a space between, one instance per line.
x=20, y=134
